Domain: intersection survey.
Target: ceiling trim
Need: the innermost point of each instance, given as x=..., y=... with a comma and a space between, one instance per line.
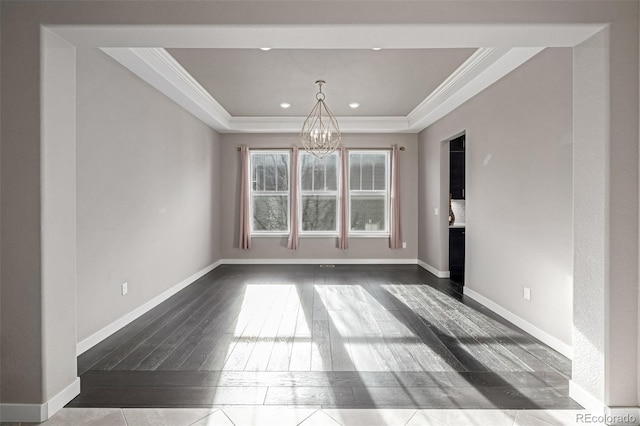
x=334, y=36
x=479, y=71
x=397, y=124
x=158, y=68
x=482, y=69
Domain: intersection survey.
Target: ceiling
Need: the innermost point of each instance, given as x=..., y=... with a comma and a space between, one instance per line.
x=423, y=72
x=253, y=83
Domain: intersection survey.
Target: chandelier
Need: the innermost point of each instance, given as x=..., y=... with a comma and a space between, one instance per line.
x=320, y=134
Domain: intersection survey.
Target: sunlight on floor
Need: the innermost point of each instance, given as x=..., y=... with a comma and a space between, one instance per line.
x=320, y=328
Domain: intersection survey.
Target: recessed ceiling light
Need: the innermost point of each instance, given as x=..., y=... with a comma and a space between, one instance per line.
x=376, y=48
x=285, y=105
x=354, y=105
x=265, y=49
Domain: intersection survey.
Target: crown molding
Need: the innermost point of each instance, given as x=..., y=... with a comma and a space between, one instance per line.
x=486, y=66
x=157, y=67
x=294, y=124
x=482, y=69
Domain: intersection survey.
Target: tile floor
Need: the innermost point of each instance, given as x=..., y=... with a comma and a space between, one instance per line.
x=286, y=416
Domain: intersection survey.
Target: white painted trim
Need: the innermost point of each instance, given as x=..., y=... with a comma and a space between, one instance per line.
x=62, y=398
x=465, y=73
x=535, y=331
x=36, y=413
x=391, y=124
x=434, y=271
x=486, y=66
x=584, y=398
x=334, y=36
x=253, y=261
x=32, y=413
x=158, y=68
x=107, y=331
x=597, y=408
x=479, y=71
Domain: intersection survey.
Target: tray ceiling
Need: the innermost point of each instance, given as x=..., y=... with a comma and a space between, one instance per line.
x=253, y=83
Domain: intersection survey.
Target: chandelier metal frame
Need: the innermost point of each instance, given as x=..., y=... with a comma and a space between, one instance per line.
x=320, y=134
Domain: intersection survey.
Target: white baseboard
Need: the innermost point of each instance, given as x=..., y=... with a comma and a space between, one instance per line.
x=584, y=398
x=36, y=413
x=536, y=332
x=107, y=331
x=608, y=415
x=285, y=261
x=63, y=398
x=434, y=271
x=32, y=413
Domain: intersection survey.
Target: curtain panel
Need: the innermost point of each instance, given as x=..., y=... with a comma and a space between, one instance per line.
x=395, y=235
x=245, y=200
x=293, y=241
x=343, y=232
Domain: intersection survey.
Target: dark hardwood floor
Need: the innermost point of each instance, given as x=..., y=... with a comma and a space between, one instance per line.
x=353, y=336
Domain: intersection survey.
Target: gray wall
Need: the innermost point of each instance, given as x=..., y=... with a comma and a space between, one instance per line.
x=22, y=166
x=318, y=247
x=147, y=192
x=518, y=191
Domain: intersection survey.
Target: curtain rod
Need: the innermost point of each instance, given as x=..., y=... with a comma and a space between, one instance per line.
x=402, y=148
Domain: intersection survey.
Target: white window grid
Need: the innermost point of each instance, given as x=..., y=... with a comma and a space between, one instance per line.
x=371, y=192
x=255, y=193
x=324, y=193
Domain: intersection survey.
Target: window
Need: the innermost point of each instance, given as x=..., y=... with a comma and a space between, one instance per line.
x=319, y=202
x=270, y=192
x=318, y=193
x=369, y=191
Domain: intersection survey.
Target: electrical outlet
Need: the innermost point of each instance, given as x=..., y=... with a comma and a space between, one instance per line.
x=125, y=288
x=435, y=211
x=404, y=244
x=526, y=293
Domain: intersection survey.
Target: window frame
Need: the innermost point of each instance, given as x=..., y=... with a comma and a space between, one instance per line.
x=253, y=193
x=302, y=193
x=386, y=192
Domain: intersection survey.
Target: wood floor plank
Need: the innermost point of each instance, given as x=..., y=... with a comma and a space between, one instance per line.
x=261, y=353
x=204, y=341
x=341, y=357
x=488, y=356
x=511, y=339
x=253, y=313
x=319, y=303
x=149, y=396
x=301, y=349
x=280, y=357
x=202, y=319
x=364, y=358
x=320, y=346
x=401, y=345
x=352, y=336
x=434, y=354
x=316, y=395
x=174, y=331
x=180, y=310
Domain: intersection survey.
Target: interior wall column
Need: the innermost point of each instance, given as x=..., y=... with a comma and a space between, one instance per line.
x=605, y=182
